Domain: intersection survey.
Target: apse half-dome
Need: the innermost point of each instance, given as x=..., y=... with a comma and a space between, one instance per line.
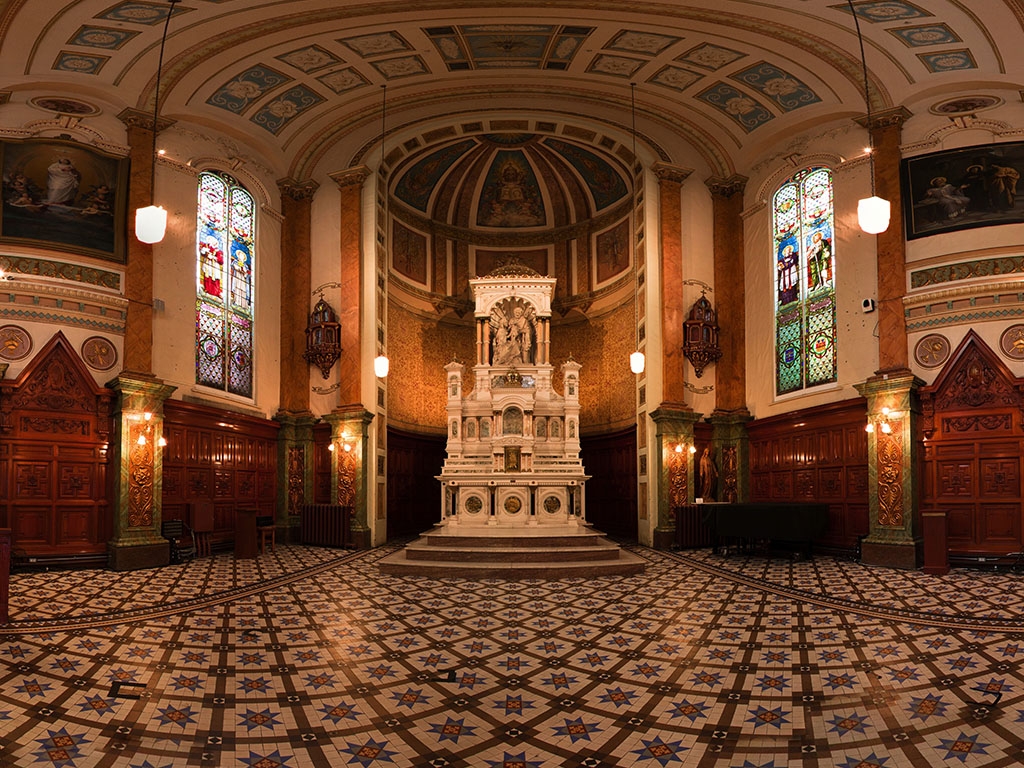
x=510, y=181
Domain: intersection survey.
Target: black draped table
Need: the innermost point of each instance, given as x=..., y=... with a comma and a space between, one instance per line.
x=748, y=522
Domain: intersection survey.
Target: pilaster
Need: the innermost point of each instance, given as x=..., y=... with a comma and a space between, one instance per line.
x=674, y=469
x=294, y=470
x=296, y=253
x=894, y=446
x=730, y=292
x=673, y=312
x=138, y=455
x=731, y=447
x=350, y=471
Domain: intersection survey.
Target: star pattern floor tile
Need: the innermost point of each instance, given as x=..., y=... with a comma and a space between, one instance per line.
x=311, y=657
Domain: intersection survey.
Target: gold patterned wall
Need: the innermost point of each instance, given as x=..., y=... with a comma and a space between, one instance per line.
x=419, y=349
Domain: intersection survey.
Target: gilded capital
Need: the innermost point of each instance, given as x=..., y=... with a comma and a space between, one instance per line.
x=297, y=190
x=136, y=118
x=671, y=173
x=894, y=117
x=726, y=187
x=351, y=177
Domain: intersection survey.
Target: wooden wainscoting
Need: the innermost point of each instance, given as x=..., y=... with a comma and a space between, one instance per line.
x=226, y=457
x=817, y=454
x=414, y=496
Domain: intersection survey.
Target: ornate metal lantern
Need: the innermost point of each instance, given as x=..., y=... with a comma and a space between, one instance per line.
x=700, y=335
x=323, y=337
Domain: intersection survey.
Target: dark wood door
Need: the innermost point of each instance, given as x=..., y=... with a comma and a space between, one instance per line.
x=610, y=460
x=414, y=496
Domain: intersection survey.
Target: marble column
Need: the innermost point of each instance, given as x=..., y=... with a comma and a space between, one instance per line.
x=138, y=482
x=673, y=311
x=138, y=475
x=350, y=468
x=891, y=266
x=350, y=258
x=894, y=455
x=673, y=469
x=295, y=438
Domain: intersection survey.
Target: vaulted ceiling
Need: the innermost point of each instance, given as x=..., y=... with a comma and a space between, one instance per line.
x=299, y=82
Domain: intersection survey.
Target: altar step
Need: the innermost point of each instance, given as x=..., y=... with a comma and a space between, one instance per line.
x=486, y=553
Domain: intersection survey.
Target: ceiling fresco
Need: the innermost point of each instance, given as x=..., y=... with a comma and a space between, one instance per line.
x=300, y=81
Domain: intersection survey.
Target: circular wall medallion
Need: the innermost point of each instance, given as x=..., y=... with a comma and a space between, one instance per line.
x=15, y=342
x=99, y=353
x=1012, y=342
x=513, y=505
x=474, y=504
x=965, y=105
x=552, y=504
x=64, y=106
x=932, y=350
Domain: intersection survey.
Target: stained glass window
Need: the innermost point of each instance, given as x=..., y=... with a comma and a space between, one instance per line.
x=805, y=301
x=225, y=245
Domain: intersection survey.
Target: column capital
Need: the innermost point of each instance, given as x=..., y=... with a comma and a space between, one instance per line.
x=893, y=117
x=351, y=177
x=137, y=118
x=671, y=173
x=298, y=191
x=721, y=186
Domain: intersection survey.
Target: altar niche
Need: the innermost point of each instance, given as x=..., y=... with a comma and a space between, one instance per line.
x=513, y=442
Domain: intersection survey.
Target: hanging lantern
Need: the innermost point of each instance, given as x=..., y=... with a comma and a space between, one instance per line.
x=700, y=335
x=323, y=338
x=873, y=215
x=637, y=362
x=150, y=224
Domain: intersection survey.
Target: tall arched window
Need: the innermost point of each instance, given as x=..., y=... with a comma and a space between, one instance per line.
x=805, y=281
x=225, y=246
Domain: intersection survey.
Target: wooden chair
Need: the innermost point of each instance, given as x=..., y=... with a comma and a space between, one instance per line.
x=266, y=531
x=201, y=512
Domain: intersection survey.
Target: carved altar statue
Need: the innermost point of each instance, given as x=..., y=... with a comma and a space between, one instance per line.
x=513, y=442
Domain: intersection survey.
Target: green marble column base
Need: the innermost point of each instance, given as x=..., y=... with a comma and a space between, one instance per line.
x=904, y=554
x=673, y=426
x=133, y=557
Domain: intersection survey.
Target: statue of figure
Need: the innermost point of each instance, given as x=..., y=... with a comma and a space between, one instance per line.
x=512, y=336
x=708, y=476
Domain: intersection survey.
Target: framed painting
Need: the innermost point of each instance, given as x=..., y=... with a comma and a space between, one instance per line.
x=64, y=195
x=963, y=188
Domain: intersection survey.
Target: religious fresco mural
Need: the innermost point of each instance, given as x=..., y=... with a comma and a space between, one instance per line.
x=486, y=261
x=605, y=184
x=410, y=253
x=511, y=195
x=612, y=256
x=416, y=185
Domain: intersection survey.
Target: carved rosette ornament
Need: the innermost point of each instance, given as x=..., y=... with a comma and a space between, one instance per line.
x=296, y=478
x=346, y=478
x=890, y=476
x=140, y=476
x=677, y=484
x=730, y=474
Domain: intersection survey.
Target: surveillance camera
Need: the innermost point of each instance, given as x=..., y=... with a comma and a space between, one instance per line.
x=867, y=305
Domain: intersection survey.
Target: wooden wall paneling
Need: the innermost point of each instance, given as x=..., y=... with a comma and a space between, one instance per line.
x=611, y=493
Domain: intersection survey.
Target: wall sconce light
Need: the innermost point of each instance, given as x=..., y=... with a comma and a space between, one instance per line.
x=146, y=433
x=872, y=212
x=680, y=447
x=882, y=422
x=323, y=337
x=700, y=335
x=151, y=221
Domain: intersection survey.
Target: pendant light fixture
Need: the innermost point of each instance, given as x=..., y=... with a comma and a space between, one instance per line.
x=872, y=212
x=151, y=221
x=637, y=361
x=381, y=364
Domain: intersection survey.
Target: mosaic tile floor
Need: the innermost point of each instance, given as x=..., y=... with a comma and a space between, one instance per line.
x=310, y=657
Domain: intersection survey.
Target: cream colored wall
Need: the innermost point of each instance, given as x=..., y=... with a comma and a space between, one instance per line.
x=855, y=272
x=174, y=280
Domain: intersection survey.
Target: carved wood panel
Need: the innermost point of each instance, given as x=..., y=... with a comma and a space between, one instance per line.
x=811, y=455
x=221, y=456
x=55, y=424
x=972, y=417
